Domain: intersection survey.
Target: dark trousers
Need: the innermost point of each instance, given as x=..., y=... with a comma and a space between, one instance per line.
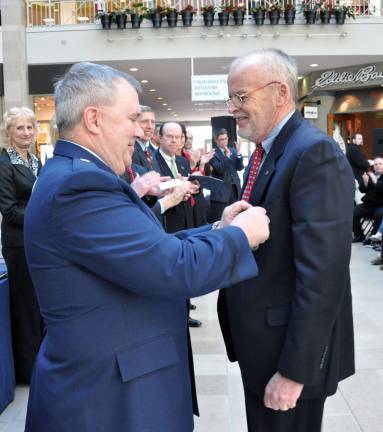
x=27, y=324
x=217, y=207
x=305, y=417
x=366, y=211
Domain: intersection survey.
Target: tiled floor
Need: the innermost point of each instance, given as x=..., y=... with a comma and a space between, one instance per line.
x=358, y=405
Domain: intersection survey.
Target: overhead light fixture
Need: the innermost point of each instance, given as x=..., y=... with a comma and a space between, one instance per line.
x=165, y=104
x=144, y=81
x=43, y=98
x=169, y=109
x=300, y=77
x=152, y=90
x=134, y=69
x=313, y=65
x=159, y=98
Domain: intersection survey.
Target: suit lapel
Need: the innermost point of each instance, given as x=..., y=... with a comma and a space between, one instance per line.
x=182, y=166
x=269, y=166
x=25, y=172
x=163, y=166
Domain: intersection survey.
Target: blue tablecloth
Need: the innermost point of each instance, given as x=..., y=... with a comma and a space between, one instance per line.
x=7, y=372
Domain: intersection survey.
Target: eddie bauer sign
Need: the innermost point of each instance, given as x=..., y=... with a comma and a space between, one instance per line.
x=363, y=75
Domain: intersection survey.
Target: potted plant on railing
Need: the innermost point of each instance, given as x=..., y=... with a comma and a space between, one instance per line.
x=187, y=15
x=289, y=13
x=310, y=10
x=137, y=12
x=106, y=19
x=121, y=19
x=224, y=15
x=208, y=12
x=324, y=12
x=258, y=12
x=341, y=11
x=274, y=11
x=239, y=12
x=171, y=16
x=156, y=15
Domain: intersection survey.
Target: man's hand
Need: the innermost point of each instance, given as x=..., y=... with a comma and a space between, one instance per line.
x=255, y=224
x=207, y=156
x=232, y=211
x=282, y=393
x=147, y=184
x=373, y=177
x=176, y=195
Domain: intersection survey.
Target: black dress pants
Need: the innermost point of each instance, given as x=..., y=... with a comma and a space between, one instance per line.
x=27, y=324
x=366, y=211
x=305, y=417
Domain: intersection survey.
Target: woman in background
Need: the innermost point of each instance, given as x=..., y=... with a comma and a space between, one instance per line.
x=18, y=172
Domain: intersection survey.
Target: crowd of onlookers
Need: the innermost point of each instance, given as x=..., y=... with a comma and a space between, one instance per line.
x=368, y=212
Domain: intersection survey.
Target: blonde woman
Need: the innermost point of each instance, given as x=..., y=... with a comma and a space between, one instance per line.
x=18, y=171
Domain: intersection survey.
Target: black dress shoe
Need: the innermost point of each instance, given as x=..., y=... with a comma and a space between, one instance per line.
x=358, y=239
x=194, y=323
x=193, y=307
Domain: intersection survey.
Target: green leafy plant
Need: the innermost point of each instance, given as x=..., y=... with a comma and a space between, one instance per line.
x=275, y=6
x=289, y=7
x=226, y=8
x=188, y=8
x=348, y=10
x=137, y=8
x=258, y=7
x=208, y=8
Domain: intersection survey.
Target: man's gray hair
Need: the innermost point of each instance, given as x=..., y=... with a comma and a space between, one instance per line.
x=146, y=108
x=276, y=64
x=86, y=84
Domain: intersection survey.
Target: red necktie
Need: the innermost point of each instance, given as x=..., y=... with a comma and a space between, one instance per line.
x=256, y=160
x=148, y=156
x=131, y=174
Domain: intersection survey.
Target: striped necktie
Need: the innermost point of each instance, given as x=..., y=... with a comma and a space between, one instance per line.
x=256, y=160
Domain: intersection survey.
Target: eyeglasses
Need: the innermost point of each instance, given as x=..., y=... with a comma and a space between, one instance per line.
x=238, y=99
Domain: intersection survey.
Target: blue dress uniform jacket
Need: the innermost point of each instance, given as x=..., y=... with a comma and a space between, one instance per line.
x=111, y=286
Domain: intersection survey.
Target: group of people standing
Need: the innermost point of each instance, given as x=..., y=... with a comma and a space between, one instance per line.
x=112, y=277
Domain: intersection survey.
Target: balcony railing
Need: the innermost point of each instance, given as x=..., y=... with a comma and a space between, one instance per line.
x=48, y=13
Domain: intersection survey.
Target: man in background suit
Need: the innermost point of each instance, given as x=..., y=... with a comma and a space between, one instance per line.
x=291, y=329
x=111, y=284
x=358, y=162
x=143, y=149
x=225, y=164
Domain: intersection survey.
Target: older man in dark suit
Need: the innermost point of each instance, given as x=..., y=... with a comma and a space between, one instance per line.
x=291, y=329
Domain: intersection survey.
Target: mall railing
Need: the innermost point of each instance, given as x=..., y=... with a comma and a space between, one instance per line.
x=78, y=12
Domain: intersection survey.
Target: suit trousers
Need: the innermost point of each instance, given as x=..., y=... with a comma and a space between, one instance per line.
x=26, y=321
x=366, y=211
x=305, y=417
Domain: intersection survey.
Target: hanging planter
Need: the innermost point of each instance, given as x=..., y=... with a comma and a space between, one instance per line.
x=311, y=16
x=289, y=15
x=187, y=16
x=343, y=11
x=136, y=20
x=274, y=17
x=121, y=19
x=223, y=18
x=325, y=16
x=106, y=20
x=239, y=15
x=258, y=16
x=171, y=17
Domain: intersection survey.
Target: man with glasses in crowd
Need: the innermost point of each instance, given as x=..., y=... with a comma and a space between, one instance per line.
x=291, y=329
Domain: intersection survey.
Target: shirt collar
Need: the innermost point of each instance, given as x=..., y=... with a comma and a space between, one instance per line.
x=166, y=157
x=143, y=145
x=269, y=140
x=89, y=151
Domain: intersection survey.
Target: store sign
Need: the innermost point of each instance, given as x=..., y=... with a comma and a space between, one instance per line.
x=310, y=112
x=362, y=76
x=209, y=87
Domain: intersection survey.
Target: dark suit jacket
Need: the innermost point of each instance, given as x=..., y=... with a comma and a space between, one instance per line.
x=16, y=182
x=225, y=168
x=296, y=317
x=358, y=162
x=180, y=216
x=139, y=158
x=112, y=285
x=373, y=192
